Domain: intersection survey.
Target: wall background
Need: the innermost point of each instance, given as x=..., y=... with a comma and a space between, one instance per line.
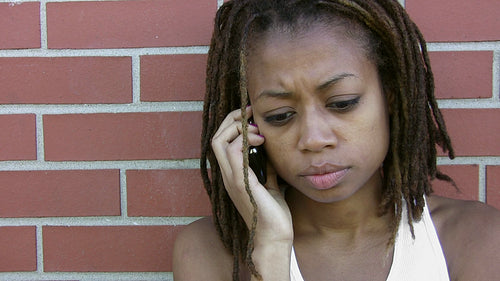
x=100, y=117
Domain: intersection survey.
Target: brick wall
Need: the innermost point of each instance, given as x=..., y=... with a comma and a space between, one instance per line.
x=463, y=37
x=100, y=108
x=100, y=121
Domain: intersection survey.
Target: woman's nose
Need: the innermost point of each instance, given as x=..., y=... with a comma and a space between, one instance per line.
x=316, y=132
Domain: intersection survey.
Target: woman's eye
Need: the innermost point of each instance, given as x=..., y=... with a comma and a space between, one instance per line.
x=279, y=119
x=344, y=105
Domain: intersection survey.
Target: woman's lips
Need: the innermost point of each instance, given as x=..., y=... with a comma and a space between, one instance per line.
x=327, y=180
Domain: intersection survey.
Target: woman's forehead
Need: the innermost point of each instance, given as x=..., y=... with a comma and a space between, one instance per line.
x=313, y=32
x=277, y=43
x=282, y=61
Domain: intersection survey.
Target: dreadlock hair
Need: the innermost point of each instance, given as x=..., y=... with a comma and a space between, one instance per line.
x=395, y=45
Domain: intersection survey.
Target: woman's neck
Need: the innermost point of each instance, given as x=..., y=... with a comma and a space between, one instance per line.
x=352, y=218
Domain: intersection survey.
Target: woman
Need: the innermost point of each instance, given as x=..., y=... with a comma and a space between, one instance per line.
x=339, y=94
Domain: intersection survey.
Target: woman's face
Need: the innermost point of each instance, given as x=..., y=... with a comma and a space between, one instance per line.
x=318, y=102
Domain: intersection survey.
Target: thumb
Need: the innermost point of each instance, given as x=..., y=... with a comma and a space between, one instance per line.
x=272, y=178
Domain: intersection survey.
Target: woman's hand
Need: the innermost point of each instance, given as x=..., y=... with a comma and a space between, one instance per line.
x=274, y=232
x=274, y=222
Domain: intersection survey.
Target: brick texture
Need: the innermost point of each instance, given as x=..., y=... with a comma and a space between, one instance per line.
x=456, y=20
x=127, y=24
x=173, y=77
x=18, y=248
x=126, y=136
x=474, y=132
x=493, y=186
x=109, y=249
x=166, y=193
x=59, y=193
x=69, y=80
x=454, y=71
x=466, y=177
x=19, y=25
x=17, y=137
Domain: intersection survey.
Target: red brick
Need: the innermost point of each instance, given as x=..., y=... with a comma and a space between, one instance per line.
x=125, y=24
x=59, y=193
x=123, y=136
x=474, y=132
x=456, y=20
x=17, y=248
x=17, y=137
x=108, y=248
x=173, y=77
x=462, y=75
x=66, y=80
x=166, y=193
x=493, y=186
x=466, y=178
x=19, y=25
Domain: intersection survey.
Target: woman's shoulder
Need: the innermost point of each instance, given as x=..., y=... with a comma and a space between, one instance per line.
x=463, y=216
x=469, y=234
x=199, y=253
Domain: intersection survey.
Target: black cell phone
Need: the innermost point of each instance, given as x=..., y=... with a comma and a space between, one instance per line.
x=258, y=163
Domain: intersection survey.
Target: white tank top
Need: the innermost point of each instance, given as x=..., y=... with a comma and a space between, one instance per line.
x=414, y=259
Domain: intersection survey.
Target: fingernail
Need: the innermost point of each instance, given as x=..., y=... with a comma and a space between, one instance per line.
x=261, y=136
x=254, y=125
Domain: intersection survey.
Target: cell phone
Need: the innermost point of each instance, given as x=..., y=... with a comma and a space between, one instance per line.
x=257, y=161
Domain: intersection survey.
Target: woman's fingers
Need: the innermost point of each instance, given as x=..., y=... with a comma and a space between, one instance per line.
x=231, y=132
x=228, y=131
x=231, y=118
x=227, y=145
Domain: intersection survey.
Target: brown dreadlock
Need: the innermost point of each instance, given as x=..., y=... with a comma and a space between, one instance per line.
x=399, y=51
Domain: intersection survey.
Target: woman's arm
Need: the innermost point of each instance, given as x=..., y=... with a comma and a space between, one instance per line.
x=200, y=255
x=273, y=235
x=469, y=233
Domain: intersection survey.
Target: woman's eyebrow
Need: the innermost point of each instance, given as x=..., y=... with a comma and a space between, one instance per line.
x=323, y=86
x=333, y=80
x=273, y=94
